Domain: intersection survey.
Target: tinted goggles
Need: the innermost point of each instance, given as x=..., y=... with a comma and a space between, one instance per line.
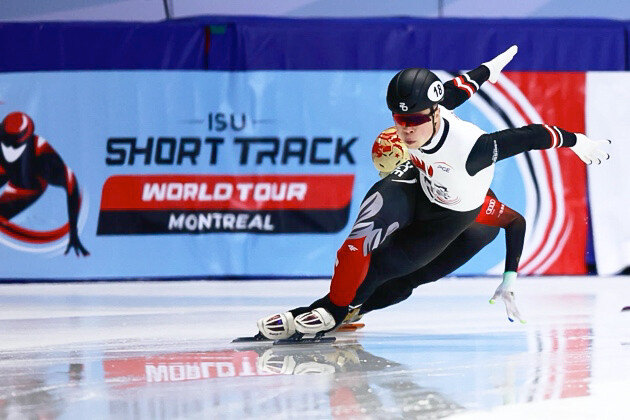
x=412, y=120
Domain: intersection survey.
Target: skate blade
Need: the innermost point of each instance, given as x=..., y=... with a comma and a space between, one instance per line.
x=351, y=327
x=254, y=338
x=309, y=340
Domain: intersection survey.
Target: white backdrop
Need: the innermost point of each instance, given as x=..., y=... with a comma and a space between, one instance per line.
x=608, y=117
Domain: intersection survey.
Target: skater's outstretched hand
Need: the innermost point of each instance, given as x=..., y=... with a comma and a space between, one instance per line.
x=590, y=151
x=505, y=293
x=497, y=63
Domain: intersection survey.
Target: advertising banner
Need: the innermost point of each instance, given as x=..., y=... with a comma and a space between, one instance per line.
x=245, y=174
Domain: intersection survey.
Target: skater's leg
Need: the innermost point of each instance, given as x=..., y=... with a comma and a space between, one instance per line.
x=456, y=254
x=406, y=252
x=410, y=250
x=387, y=207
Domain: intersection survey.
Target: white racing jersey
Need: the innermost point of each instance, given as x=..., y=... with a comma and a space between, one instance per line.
x=442, y=164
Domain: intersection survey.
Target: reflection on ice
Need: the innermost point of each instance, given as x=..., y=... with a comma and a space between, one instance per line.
x=337, y=380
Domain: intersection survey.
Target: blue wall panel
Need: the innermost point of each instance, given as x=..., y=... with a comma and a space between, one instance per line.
x=101, y=46
x=452, y=44
x=241, y=43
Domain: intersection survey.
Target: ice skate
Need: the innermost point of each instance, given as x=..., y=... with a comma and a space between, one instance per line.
x=351, y=321
x=318, y=321
x=352, y=326
x=277, y=326
x=353, y=316
x=282, y=328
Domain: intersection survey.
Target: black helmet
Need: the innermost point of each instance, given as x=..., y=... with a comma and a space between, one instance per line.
x=413, y=90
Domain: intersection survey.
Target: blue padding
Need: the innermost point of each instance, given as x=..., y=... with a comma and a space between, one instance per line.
x=250, y=43
x=101, y=46
x=394, y=43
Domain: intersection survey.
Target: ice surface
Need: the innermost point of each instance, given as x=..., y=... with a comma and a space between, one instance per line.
x=143, y=350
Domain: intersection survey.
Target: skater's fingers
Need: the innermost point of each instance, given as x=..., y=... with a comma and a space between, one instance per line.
x=494, y=297
x=517, y=315
x=513, y=312
x=605, y=142
x=508, y=311
x=584, y=158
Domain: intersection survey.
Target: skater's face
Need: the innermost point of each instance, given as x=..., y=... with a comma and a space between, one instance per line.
x=417, y=129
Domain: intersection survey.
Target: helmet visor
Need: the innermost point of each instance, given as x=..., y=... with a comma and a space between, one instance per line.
x=412, y=120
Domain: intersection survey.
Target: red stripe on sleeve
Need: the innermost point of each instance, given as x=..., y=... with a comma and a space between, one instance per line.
x=554, y=136
x=463, y=85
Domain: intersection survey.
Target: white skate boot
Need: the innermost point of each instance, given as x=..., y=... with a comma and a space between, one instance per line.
x=277, y=326
x=318, y=320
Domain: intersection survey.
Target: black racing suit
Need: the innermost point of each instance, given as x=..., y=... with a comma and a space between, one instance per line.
x=399, y=230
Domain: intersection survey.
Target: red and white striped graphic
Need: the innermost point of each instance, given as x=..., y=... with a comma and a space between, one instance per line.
x=555, y=183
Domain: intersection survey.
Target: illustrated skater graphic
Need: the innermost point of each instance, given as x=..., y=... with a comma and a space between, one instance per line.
x=28, y=164
x=411, y=217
